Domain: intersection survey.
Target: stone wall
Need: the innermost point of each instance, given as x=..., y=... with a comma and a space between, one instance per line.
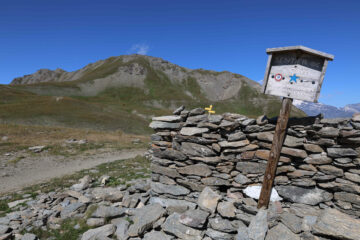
x=319, y=164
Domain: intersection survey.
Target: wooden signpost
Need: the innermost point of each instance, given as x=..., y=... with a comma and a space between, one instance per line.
x=292, y=73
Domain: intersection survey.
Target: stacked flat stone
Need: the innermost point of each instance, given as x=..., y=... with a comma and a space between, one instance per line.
x=319, y=164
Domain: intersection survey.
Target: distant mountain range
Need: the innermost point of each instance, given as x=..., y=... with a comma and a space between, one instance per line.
x=329, y=111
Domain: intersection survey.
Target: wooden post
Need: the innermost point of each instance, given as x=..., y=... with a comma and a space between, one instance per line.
x=274, y=156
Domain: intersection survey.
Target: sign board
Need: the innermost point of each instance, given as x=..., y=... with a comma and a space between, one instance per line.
x=295, y=72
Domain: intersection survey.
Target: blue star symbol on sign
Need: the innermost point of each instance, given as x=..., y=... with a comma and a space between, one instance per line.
x=293, y=78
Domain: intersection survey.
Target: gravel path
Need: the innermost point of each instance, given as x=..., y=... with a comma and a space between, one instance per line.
x=34, y=170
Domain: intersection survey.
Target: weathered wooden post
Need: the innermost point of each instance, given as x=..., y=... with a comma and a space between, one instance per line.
x=292, y=73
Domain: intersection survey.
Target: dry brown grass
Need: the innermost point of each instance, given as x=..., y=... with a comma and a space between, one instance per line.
x=24, y=136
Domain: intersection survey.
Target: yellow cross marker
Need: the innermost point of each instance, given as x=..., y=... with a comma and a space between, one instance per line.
x=209, y=109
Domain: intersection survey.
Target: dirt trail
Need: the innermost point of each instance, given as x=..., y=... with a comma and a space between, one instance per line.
x=39, y=169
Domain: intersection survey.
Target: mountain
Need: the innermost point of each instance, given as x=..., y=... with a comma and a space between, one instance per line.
x=329, y=111
x=124, y=92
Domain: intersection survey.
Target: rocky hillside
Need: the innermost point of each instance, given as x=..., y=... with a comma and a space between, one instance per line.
x=125, y=92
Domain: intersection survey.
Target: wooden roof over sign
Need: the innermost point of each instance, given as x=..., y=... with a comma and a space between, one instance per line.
x=303, y=48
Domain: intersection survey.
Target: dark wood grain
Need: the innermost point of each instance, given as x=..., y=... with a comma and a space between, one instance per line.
x=274, y=156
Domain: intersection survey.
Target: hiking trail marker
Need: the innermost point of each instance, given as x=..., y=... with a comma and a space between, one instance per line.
x=295, y=72
x=209, y=109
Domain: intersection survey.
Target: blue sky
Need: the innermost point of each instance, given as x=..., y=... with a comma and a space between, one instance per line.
x=217, y=35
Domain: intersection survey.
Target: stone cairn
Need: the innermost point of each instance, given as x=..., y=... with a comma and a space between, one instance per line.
x=206, y=174
x=207, y=170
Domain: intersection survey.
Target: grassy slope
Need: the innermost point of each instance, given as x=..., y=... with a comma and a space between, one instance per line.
x=123, y=107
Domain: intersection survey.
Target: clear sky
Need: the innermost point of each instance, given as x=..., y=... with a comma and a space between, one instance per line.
x=209, y=34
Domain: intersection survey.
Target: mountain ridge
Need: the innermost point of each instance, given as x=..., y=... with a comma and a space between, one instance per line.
x=132, y=89
x=329, y=111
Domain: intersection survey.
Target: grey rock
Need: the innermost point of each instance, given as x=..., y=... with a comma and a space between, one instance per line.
x=4, y=229
x=298, y=153
x=216, y=119
x=313, y=148
x=144, y=219
x=157, y=125
x=226, y=209
x=250, y=167
x=173, y=226
x=290, y=141
x=154, y=235
x=258, y=226
x=72, y=209
x=224, y=225
x=216, y=235
x=170, y=172
x=304, y=195
x=175, y=190
x=331, y=170
x=348, y=197
x=108, y=212
x=99, y=233
x=240, y=178
x=318, y=159
x=197, y=169
x=308, y=222
x=242, y=233
x=335, y=224
x=83, y=184
x=196, y=150
x=356, y=117
x=353, y=177
x=236, y=136
x=341, y=152
x=171, y=203
x=167, y=118
x=194, y=218
x=215, y=181
x=122, y=227
x=107, y=194
x=280, y=232
x=329, y=132
x=291, y=221
x=226, y=144
x=4, y=220
x=208, y=200
x=95, y=222
x=29, y=236
x=170, y=154
x=191, y=131
x=179, y=110
x=196, y=111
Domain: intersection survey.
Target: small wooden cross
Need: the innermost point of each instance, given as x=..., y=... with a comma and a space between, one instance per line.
x=209, y=109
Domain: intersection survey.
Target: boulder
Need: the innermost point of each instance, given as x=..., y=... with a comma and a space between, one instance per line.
x=281, y=232
x=196, y=150
x=157, y=125
x=258, y=226
x=155, y=235
x=226, y=209
x=191, y=131
x=341, y=152
x=197, y=169
x=208, y=200
x=175, y=190
x=308, y=196
x=107, y=194
x=145, y=218
x=173, y=226
x=335, y=224
x=195, y=218
x=167, y=118
x=99, y=233
x=108, y=212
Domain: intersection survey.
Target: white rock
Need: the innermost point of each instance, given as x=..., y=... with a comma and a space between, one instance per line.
x=254, y=192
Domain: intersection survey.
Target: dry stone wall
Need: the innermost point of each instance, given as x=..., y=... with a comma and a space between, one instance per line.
x=319, y=165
